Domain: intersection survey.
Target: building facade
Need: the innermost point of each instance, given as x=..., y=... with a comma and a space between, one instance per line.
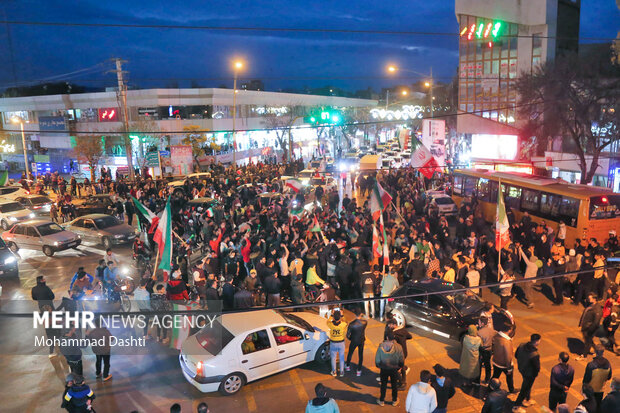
x=53, y=124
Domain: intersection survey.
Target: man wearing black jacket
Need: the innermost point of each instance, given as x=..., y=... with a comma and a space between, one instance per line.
x=496, y=399
x=42, y=294
x=444, y=388
x=589, y=322
x=528, y=361
x=401, y=335
x=561, y=379
x=356, y=333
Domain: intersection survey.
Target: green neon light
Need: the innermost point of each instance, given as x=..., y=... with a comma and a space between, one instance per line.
x=496, y=28
x=480, y=29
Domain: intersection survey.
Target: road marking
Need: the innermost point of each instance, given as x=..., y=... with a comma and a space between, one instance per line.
x=299, y=386
x=251, y=402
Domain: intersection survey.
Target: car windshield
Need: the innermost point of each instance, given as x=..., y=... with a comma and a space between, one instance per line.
x=443, y=201
x=107, y=222
x=465, y=302
x=49, y=229
x=214, y=337
x=297, y=321
x=2, y=244
x=38, y=200
x=11, y=207
x=317, y=181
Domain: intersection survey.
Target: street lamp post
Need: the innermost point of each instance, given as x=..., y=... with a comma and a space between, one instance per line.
x=429, y=84
x=21, y=124
x=236, y=67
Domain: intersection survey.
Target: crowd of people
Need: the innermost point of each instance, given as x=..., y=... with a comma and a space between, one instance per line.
x=260, y=245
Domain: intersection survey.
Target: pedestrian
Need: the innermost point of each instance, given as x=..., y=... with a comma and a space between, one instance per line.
x=389, y=359
x=160, y=304
x=71, y=351
x=588, y=404
x=130, y=210
x=102, y=349
x=505, y=289
x=611, y=402
x=337, y=332
x=469, y=366
x=589, y=322
x=356, y=333
x=243, y=298
x=562, y=375
x=496, y=399
x=598, y=371
x=368, y=283
x=143, y=299
x=228, y=294
x=42, y=294
x=78, y=397
x=531, y=269
x=322, y=403
x=202, y=408
x=51, y=332
x=502, y=358
x=389, y=283
x=444, y=388
x=528, y=362
x=401, y=335
x=486, y=334
x=421, y=397
x=272, y=286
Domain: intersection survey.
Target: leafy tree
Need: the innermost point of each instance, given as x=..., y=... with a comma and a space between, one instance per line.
x=91, y=148
x=571, y=97
x=199, y=140
x=281, y=125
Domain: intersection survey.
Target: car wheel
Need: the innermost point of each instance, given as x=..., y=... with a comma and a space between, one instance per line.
x=232, y=384
x=399, y=318
x=106, y=242
x=5, y=225
x=322, y=354
x=13, y=247
x=47, y=250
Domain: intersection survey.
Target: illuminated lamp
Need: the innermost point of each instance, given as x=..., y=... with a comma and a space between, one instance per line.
x=479, y=32
x=487, y=30
x=604, y=199
x=490, y=44
x=472, y=29
x=496, y=28
x=464, y=30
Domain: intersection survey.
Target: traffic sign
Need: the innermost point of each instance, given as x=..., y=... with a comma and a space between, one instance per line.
x=152, y=159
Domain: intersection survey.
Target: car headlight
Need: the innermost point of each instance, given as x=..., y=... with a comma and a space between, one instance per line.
x=117, y=236
x=56, y=243
x=32, y=215
x=12, y=219
x=9, y=260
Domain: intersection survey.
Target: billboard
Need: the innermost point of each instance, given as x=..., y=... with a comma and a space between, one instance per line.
x=485, y=146
x=55, y=123
x=181, y=159
x=108, y=114
x=434, y=138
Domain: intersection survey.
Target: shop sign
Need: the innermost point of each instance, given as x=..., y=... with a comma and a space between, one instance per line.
x=55, y=123
x=7, y=147
x=108, y=114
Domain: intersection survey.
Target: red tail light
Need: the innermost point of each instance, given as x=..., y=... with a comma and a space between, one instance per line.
x=390, y=300
x=199, y=368
x=36, y=207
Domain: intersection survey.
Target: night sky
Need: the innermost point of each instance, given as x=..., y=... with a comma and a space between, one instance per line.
x=158, y=57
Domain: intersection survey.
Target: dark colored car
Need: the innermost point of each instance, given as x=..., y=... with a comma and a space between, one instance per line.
x=8, y=261
x=96, y=204
x=39, y=204
x=447, y=314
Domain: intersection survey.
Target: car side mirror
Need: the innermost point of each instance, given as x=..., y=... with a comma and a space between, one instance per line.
x=307, y=336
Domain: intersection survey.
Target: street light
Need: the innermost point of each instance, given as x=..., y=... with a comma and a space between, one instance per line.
x=404, y=93
x=237, y=66
x=428, y=83
x=19, y=120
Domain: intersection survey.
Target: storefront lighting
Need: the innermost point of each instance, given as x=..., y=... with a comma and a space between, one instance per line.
x=7, y=147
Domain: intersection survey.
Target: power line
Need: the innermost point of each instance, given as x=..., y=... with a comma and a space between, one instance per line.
x=276, y=29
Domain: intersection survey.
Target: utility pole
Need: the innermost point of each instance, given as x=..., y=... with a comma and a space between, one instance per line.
x=122, y=90
x=431, y=92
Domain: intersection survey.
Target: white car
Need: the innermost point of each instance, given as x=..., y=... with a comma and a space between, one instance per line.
x=12, y=212
x=12, y=192
x=198, y=175
x=243, y=347
x=305, y=175
x=444, y=204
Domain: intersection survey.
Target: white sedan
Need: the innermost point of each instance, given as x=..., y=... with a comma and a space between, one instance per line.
x=243, y=347
x=444, y=204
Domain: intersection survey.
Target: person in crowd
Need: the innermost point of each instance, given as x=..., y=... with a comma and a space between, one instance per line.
x=588, y=404
x=390, y=359
x=356, y=333
x=597, y=373
x=502, y=358
x=42, y=294
x=486, y=334
x=322, y=403
x=496, y=399
x=421, y=397
x=589, y=322
x=71, y=350
x=469, y=366
x=528, y=362
x=562, y=375
x=611, y=402
x=102, y=349
x=78, y=396
x=337, y=332
x=444, y=388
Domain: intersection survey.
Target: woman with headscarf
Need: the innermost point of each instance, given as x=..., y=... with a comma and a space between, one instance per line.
x=470, y=356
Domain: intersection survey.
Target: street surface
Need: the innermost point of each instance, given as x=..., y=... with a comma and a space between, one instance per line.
x=152, y=383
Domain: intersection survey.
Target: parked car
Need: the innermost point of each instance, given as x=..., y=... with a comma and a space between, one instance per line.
x=243, y=347
x=8, y=261
x=177, y=185
x=12, y=191
x=204, y=203
x=39, y=204
x=41, y=234
x=444, y=204
x=96, y=204
x=102, y=229
x=12, y=212
x=447, y=315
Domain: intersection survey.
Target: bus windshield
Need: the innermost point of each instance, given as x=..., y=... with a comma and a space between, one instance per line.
x=605, y=207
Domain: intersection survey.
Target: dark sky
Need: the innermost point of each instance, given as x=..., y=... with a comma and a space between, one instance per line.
x=282, y=59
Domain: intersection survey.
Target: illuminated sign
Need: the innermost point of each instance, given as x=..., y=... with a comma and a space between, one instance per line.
x=484, y=146
x=108, y=114
x=488, y=31
x=405, y=113
x=7, y=147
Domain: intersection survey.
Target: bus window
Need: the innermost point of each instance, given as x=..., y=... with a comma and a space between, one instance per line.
x=569, y=210
x=493, y=194
x=549, y=205
x=469, y=185
x=484, y=189
x=512, y=197
x=530, y=200
x=458, y=184
x=605, y=207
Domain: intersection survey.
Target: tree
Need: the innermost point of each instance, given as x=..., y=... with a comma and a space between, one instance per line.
x=90, y=148
x=199, y=140
x=146, y=131
x=354, y=119
x=574, y=98
x=281, y=124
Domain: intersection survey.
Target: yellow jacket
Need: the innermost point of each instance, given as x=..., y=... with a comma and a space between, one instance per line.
x=312, y=278
x=449, y=276
x=337, y=333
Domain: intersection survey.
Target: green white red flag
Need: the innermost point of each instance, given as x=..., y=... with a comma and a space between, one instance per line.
x=163, y=238
x=502, y=235
x=294, y=184
x=376, y=244
x=422, y=159
x=4, y=178
x=379, y=200
x=315, y=225
x=386, y=249
x=180, y=332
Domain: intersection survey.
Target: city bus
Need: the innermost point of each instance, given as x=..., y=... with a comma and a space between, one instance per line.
x=587, y=211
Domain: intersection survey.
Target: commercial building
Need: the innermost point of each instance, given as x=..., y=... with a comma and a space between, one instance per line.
x=53, y=124
x=499, y=40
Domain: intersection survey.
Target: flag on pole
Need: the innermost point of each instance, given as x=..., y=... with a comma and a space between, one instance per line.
x=181, y=332
x=386, y=249
x=146, y=213
x=296, y=213
x=379, y=200
x=294, y=184
x=376, y=244
x=4, y=178
x=502, y=235
x=163, y=238
x=315, y=225
x=422, y=159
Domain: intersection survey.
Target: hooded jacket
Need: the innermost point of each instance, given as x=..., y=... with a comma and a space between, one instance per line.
x=528, y=359
x=389, y=356
x=598, y=371
x=444, y=391
x=322, y=405
x=421, y=398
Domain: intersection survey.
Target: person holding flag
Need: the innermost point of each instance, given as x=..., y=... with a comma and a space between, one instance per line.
x=163, y=239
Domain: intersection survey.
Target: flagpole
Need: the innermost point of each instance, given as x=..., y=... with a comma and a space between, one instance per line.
x=156, y=263
x=382, y=249
x=397, y=211
x=499, y=239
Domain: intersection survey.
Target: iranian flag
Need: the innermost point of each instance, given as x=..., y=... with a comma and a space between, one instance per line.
x=181, y=332
x=4, y=178
x=315, y=225
x=379, y=200
x=386, y=249
x=296, y=213
x=502, y=235
x=422, y=159
x=294, y=184
x=163, y=238
x=376, y=244
x=145, y=212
